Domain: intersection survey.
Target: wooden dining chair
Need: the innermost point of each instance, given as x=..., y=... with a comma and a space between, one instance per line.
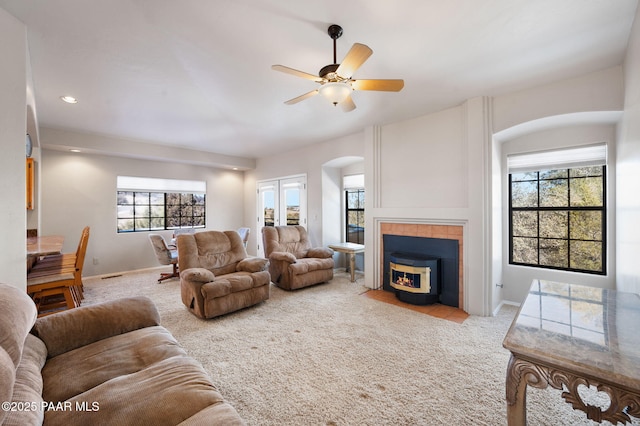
x=60, y=286
x=54, y=293
x=53, y=261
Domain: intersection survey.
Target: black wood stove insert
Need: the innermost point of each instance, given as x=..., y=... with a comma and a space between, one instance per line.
x=421, y=270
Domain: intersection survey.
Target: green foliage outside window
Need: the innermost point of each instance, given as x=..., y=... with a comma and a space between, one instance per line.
x=355, y=215
x=558, y=219
x=152, y=211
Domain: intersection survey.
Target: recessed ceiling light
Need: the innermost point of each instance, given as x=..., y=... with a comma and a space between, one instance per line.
x=235, y=168
x=69, y=99
x=75, y=150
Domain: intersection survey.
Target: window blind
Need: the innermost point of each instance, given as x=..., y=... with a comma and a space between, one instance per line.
x=144, y=184
x=353, y=181
x=582, y=156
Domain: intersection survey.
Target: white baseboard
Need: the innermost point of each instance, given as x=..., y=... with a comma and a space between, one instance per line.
x=112, y=274
x=504, y=302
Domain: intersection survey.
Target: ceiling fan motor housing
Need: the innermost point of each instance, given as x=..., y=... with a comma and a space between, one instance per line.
x=329, y=72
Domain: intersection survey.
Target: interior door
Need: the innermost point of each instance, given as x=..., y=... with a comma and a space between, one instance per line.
x=268, y=203
x=293, y=201
x=268, y=209
x=281, y=202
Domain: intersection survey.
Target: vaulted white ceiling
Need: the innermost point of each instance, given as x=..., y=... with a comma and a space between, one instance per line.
x=197, y=74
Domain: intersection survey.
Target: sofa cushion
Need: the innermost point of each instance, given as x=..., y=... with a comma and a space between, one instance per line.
x=165, y=393
x=290, y=239
x=302, y=266
x=88, y=324
x=28, y=385
x=215, y=306
x=18, y=313
x=232, y=283
x=216, y=251
x=74, y=372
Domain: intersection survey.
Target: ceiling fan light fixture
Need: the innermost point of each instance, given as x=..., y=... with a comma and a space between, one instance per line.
x=335, y=91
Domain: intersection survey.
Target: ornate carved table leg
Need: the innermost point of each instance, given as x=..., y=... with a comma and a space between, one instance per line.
x=622, y=403
x=521, y=373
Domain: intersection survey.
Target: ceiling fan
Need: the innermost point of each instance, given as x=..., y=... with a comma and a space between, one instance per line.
x=336, y=82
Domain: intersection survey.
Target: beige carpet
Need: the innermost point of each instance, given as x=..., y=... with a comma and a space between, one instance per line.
x=326, y=355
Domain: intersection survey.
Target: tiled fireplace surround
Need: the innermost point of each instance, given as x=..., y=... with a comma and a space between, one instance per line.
x=451, y=232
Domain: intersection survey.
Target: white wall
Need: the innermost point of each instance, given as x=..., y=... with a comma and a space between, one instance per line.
x=309, y=160
x=424, y=162
x=80, y=190
x=497, y=218
x=13, y=101
x=33, y=215
x=337, y=224
x=332, y=207
x=570, y=112
x=628, y=171
x=517, y=279
x=440, y=168
x=598, y=91
x=433, y=169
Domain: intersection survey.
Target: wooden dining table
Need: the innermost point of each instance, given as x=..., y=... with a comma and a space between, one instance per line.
x=43, y=246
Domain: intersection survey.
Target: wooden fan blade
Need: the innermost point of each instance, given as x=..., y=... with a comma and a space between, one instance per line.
x=297, y=73
x=301, y=97
x=380, y=85
x=354, y=59
x=348, y=105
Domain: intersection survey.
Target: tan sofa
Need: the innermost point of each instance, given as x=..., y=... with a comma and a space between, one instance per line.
x=217, y=276
x=106, y=364
x=293, y=263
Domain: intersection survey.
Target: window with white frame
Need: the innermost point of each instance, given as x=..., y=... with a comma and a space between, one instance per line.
x=557, y=209
x=354, y=202
x=150, y=204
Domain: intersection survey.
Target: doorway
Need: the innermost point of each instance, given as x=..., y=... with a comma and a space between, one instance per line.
x=281, y=201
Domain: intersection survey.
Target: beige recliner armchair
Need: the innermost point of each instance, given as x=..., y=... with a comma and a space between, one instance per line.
x=217, y=276
x=293, y=263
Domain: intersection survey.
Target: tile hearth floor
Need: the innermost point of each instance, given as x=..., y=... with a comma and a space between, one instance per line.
x=436, y=310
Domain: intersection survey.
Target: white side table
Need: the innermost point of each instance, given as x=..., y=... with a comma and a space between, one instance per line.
x=351, y=249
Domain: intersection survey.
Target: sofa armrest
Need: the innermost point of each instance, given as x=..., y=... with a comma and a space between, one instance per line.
x=320, y=252
x=282, y=256
x=253, y=264
x=200, y=275
x=68, y=330
x=191, y=282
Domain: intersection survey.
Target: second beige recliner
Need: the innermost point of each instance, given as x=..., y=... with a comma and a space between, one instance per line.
x=293, y=263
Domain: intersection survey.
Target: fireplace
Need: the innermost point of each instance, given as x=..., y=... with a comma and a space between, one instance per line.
x=440, y=255
x=414, y=277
